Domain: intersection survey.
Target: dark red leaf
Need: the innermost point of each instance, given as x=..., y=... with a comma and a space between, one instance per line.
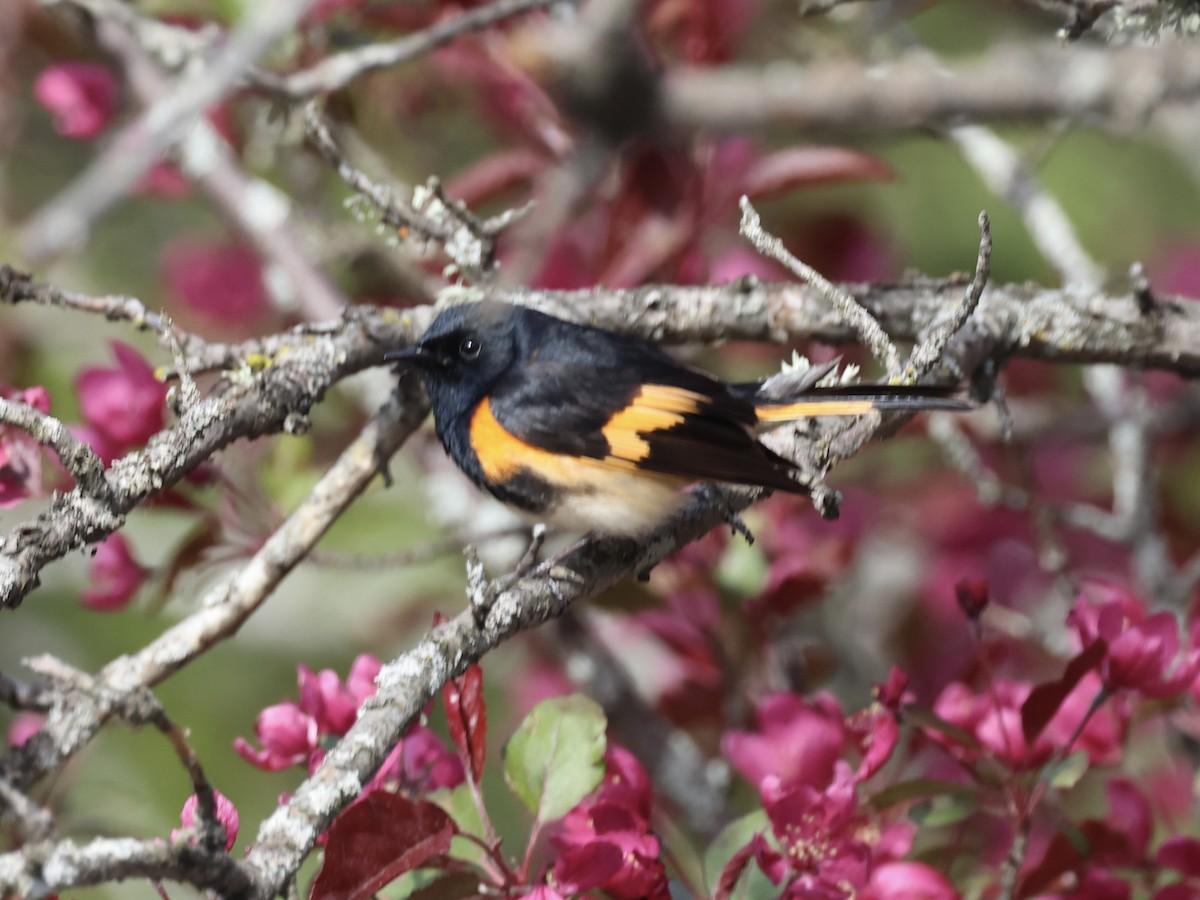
x=588, y=867
x=377, y=840
x=452, y=886
x=466, y=714
x=1043, y=702
x=1181, y=854
x=776, y=173
x=1100, y=841
x=733, y=872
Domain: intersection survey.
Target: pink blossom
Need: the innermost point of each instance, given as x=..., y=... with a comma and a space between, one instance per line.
x=626, y=782
x=227, y=815
x=420, y=762
x=124, y=405
x=1103, y=737
x=361, y=680
x=220, y=282
x=323, y=697
x=288, y=735
x=611, y=849
x=541, y=892
x=795, y=741
x=907, y=881
x=875, y=733
x=163, y=179
x=1176, y=269
x=605, y=842
x=82, y=97
x=114, y=576
x=20, y=455
x=332, y=704
x=994, y=718
x=23, y=727
x=894, y=693
x=1144, y=653
x=820, y=831
x=1181, y=854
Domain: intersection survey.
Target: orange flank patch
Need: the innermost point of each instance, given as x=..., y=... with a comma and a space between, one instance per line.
x=502, y=454
x=789, y=412
x=656, y=407
x=609, y=494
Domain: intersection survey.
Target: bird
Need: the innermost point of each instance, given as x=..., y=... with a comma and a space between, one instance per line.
x=599, y=432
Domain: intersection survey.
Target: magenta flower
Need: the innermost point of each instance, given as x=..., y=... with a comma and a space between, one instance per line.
x=994, y=718
x=795, y=741
x=419, y=763
x=324, y=698
x=82, y=97
x=542, y=892
x=24, y=726
x=907, y=881
x=220, y=282
x=122, y=406
x=820, y=832
x=20, y=455
x=288, y=735
x=1144, y=654
x=611, y=849
x=361, y=680
x=114, y=576
x=605, y=842
x=227, y=815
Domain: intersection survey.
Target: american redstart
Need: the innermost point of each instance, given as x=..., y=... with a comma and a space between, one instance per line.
x=601, y=432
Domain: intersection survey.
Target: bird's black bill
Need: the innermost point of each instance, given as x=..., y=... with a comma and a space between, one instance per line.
x=410, y=356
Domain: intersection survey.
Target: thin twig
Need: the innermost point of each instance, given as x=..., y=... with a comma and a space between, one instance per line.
x=928, y=353
x=852, y=312
x=336, y=71
x=77, y=457
x=226, y=606
x=64, y=223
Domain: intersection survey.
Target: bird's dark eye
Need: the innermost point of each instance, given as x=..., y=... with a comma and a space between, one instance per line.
x=469, y=348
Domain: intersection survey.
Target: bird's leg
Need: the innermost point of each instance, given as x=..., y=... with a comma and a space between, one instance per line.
x=555, y=572
x=483, y=593
x=711, y=494
x=537, y=537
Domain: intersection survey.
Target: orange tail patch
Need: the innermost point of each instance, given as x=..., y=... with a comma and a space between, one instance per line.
x=805, y=409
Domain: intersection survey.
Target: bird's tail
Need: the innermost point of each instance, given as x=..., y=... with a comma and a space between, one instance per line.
x=856, y=399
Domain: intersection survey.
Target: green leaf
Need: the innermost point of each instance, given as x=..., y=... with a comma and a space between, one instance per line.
x=556, y=756
x=927, y=718
x=1066, y=774
x=943, y=811
x=919, y=788
x=733, y=837
x=460, y=806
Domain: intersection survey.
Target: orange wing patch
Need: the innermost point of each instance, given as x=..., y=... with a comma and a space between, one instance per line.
x=790, y=412
x=502, y=455
x=654, y=408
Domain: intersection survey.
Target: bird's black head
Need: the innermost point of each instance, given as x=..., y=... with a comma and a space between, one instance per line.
x=464, y=352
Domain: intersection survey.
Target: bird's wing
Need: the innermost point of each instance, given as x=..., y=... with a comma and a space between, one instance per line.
x=637, y=410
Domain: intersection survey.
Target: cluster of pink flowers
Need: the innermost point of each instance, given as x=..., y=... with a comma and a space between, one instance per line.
x=294, y=733
x=826, y=845
x=606, y=843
